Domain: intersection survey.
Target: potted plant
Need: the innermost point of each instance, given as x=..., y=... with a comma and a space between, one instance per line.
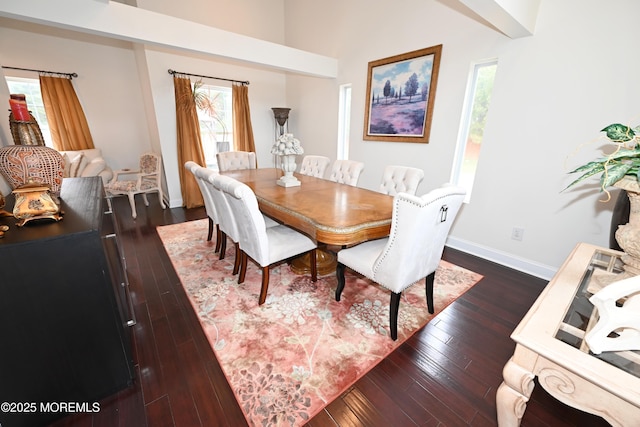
x=623, y=162
x=621, y=169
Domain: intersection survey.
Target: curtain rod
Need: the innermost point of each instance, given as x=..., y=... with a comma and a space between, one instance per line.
x=70, y=76
x=245, y=82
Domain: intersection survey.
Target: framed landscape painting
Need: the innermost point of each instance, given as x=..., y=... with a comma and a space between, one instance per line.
x=400, y=95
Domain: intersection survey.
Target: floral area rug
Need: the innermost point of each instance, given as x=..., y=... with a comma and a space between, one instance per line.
x=287, y=359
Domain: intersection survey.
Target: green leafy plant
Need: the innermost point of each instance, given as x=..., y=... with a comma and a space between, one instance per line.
x=624, y=161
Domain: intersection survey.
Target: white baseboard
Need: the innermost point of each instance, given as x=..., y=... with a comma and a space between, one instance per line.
x=524, y=265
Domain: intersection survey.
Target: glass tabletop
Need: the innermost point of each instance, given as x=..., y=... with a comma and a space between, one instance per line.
x=581, y=315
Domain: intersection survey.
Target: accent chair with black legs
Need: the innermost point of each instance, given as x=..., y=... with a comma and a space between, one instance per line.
x=265, y=245
x=419, y=230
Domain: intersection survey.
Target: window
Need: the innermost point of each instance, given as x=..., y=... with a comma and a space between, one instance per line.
x=215, y=115
x=344, y=122
x=474, y=118
x=31, y=88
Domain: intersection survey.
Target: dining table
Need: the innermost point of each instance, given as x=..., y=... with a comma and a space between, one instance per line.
x=331, y=213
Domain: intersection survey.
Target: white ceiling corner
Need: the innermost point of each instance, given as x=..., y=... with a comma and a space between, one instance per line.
x=120, y=21
x=514, y=18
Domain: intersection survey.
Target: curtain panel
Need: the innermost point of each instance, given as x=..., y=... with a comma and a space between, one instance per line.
x=67, y=122
x=189, y=140
x=242, y=130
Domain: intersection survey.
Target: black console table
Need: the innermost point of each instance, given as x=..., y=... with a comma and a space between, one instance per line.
x=65, y=311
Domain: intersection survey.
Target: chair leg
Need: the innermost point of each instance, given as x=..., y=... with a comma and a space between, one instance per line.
x=210, y=232
x=236, y=262
x=218, y=238
x=132, y=202
x=223, y=244
x=243, y=267
x=314, y=266
x=161, y=197
x=394, y=305
x=144, y=198
x=340, y=276
x=265, y=285
x=429, y=282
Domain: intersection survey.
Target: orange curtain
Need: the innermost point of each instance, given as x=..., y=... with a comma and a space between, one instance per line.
x=189, y=141
x=67, y=123
x=242, y=130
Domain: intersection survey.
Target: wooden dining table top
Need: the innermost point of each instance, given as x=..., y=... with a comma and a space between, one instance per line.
x=327, y=211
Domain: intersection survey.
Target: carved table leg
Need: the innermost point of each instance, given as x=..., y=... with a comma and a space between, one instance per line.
x=513, y=394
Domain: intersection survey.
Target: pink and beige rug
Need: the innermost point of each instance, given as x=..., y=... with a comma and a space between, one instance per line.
x=287, y=359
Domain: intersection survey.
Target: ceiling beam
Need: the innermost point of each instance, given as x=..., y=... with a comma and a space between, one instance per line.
x=514, y=18
x=124, y=22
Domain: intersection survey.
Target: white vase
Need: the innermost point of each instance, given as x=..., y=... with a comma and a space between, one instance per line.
x=288, y=165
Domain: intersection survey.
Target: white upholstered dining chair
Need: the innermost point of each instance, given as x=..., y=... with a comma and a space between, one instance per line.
x=265, y=245
x=147, y=179
x=226, y=220
x=419, y=230
x=400, y=179
x=236, y=160
x=207, y=197
x=314, y=165
x=346, y=172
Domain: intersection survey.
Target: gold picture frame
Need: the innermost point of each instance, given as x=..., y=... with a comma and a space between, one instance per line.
x=401, y=92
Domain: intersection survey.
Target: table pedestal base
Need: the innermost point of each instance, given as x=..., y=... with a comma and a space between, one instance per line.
x=325, y=263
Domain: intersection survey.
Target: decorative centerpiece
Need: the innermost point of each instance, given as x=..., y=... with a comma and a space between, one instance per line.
x=287, y=147
x=621, y=169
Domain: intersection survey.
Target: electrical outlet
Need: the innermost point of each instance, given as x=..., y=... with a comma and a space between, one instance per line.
x=517, y=233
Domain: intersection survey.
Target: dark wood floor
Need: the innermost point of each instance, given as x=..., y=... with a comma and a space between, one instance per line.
x=445, y=375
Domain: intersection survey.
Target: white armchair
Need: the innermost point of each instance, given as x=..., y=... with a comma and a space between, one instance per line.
x=88, y=162
x=419, y=229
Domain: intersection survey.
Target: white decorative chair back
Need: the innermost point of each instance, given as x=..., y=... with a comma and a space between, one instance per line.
x=252, y=229
x=148, y=179
x=314, y=166
x=265, y=245
x=200, y=177
x=226, y=218
x=419, y=230
x=400, y=179
x=150, y=171
x=346, y=172
x=209, y=206
x=235, y=160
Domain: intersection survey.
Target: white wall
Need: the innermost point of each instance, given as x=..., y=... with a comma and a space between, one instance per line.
x=107, y=85
x=553, y=92
x=126, y=91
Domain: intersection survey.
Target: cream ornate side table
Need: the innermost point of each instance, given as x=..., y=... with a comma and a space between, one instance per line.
x=550, y=346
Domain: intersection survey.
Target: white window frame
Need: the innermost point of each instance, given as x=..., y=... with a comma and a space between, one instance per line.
x=344, y=122
x=465, y=128
x=210, y=148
